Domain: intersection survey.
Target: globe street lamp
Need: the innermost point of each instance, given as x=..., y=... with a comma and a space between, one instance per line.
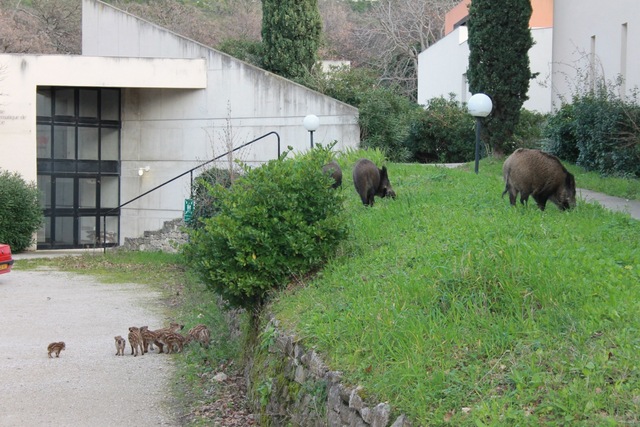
x=479, y=106
x=311, y=123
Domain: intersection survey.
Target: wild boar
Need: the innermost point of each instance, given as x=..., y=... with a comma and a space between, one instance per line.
x=371, y=181
x=538, y=174
x=333, y=168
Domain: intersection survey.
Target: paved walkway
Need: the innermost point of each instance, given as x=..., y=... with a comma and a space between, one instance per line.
x=632, y=207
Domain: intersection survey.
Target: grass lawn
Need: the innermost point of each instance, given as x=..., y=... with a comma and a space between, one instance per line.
x=459, y=309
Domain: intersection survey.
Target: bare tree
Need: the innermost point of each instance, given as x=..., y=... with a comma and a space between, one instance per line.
x=184, y=19
x=338, y=30
x=394, y=34
x=22, y=32
x=242, y=20
x=60, y=20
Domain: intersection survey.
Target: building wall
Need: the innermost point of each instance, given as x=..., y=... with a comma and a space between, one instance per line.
x=20, y=75
x=541, y=15
x=593, y=42
x=172, y=130
x=442, y=69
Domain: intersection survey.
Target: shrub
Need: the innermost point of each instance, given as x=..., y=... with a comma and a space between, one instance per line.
x=244, y=49
x=385, y=119
x=529, y=131
x=599, y=123
x=343, y=83
x=600, y=132
x=443, y=132
x=205, y=206
x=561, y=136
x=20, y=212
x=278, y=221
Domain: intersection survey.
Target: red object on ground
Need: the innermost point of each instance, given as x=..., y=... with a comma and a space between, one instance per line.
x=6, y=261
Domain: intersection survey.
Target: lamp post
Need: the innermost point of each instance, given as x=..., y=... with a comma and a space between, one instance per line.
x=479, y=106
x=311, y=123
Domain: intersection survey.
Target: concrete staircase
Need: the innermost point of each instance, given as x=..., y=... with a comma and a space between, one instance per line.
x=168, y=239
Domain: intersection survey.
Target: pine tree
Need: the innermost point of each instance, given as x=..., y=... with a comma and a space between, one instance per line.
x=499, y=43
x=291, y=31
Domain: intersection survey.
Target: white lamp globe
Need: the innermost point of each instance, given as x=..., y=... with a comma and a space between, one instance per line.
x=311, y=122
x=480, y=105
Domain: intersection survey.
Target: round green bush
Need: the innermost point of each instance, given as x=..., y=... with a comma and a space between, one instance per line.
x=275, y=223
x=20, y=212
x=443, y=132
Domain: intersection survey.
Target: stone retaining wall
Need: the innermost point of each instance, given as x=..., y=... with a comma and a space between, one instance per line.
x=291, y=385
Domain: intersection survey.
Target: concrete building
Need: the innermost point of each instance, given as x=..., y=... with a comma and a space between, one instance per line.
x=595, y=44
x=442, y=68
x=578, y=44
x=140, y=106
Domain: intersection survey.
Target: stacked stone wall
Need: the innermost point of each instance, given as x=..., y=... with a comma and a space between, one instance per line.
x=168, y=239
x=291, y=385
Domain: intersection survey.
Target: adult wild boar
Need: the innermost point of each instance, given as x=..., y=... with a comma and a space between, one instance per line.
x=333, y=168
x=540, y=175
x=371, y=181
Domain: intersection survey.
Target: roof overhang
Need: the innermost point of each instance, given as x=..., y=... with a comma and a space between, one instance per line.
x=79, y=71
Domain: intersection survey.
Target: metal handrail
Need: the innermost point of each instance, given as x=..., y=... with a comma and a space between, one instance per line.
x=190, y=171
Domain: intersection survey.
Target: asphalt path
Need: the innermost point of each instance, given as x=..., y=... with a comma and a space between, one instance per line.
x=617, y=204
x=87, y=385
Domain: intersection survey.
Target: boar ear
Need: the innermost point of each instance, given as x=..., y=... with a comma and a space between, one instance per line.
x=383, y=172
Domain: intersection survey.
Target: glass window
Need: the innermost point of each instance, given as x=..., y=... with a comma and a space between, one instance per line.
x=110, y=143
x=43, y=102
x=87, y=230
x=64, y=142
x=88, y=103
x=64, y=105
x=64, y=230
x=88, y=143
x=44, y=191
x=64, y=193
x=109, y=192
x=110, y=104
x=44, y=234
x=87, y=193
x=43, y=139
x=112, y=229
x=78, y=150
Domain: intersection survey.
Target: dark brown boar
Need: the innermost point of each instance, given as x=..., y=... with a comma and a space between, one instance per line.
x=540, y=175
x=371, y=181
x=333, y=168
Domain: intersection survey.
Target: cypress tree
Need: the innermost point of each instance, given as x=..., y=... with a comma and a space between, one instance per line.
x=291, y=31
x=499, y=43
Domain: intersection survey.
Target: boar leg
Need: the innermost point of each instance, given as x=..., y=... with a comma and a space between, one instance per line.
x=541, y=201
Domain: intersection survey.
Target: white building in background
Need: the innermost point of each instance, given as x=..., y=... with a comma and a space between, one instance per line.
x=140, y=106
x=577, y=42
x=442, y=68
x=595, y=40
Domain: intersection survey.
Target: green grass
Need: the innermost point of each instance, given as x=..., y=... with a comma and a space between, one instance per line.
x=459, y=309
x=187, y=301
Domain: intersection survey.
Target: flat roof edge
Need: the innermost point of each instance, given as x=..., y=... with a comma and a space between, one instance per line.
x=123, y=72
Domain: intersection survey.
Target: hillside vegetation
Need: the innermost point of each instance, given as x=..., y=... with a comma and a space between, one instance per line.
x=459, y=309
